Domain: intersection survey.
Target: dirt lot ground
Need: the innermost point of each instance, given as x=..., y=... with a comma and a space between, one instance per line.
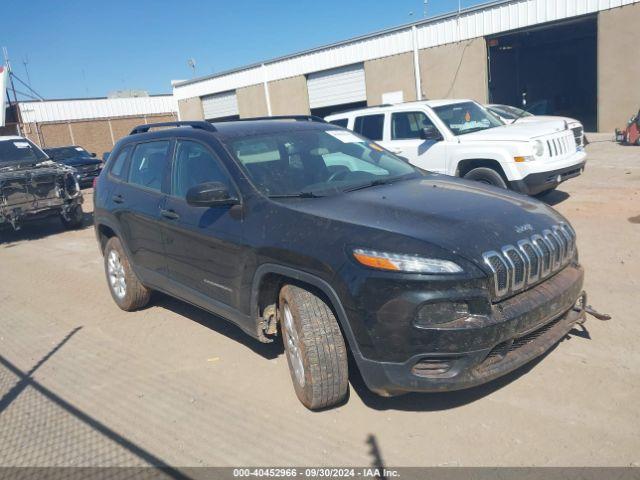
x=82, y=383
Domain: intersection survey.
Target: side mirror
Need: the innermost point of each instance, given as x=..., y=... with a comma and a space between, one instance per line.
x=93, y=154
x=210, y=194
x=431, y=133
x=105, y=156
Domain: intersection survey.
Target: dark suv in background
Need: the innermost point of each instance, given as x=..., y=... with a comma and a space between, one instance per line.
x=299, y=228
x=86, y=164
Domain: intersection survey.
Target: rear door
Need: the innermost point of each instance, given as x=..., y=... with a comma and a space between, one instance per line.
x=203, y=244
x=137, y=199
x=405, y=139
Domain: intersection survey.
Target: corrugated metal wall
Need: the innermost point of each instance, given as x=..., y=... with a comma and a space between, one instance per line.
x=85, y=109
x=500, y=16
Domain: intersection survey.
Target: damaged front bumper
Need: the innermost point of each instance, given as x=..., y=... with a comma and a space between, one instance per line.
x=518, y=330
x=38, y=192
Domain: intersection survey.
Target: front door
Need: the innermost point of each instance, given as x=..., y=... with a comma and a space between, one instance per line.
x=405, y=139
x=203, y=244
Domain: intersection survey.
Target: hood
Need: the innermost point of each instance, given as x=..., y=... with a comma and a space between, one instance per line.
x=78, y=161
x=548, y=118
x=460, y=216
x=522, y=132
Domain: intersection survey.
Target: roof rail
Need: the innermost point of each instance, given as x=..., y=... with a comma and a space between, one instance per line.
x=193, y=124
x=297, y=118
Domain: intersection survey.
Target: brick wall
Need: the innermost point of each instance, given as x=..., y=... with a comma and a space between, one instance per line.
x=97, y=136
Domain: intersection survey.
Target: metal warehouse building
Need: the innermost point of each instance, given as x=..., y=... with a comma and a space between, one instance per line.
x=94, y=123
x=576, y=58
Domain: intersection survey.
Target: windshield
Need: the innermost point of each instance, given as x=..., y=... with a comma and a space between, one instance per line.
x=316, y=162
x=508, y=112
x=467, y=117
x=64, y=153
x=19, y=150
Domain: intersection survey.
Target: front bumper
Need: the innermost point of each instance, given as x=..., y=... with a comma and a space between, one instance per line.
x=86, y=178
x=536, y=183
x=518, y=330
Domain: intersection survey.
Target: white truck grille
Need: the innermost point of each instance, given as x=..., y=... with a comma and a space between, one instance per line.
x=561, y=145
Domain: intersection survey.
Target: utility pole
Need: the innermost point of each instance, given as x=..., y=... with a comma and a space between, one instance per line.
x=426, y=8
x=13, y=87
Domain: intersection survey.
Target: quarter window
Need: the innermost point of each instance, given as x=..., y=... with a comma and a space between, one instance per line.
x=408, y=125
x=117, y=170
x=194, y=164
x=370, y=126
x=340, y=122
x=148, y=164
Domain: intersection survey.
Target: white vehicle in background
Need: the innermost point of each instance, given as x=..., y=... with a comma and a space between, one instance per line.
x=463, y=139
x=509, y=114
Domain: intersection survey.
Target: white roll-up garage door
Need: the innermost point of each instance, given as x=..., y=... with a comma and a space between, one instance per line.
x=337, y=86
x=220, y=105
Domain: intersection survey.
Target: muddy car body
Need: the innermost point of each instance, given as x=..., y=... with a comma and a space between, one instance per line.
x=34, y=187
x=306, y=229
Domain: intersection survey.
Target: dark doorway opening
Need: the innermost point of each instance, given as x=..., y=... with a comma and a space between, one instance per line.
x=553, y=68
x=345, y=107
x=230, y=118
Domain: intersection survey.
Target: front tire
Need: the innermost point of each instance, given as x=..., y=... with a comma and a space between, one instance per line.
x=315, y=349
x=485, y=175
x=126, y=290
x=76, y=218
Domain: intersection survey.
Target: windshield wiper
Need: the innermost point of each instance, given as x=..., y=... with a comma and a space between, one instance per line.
x=373, y=183
x=297, y=195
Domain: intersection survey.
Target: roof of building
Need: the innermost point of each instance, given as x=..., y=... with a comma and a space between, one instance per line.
x=490, y=18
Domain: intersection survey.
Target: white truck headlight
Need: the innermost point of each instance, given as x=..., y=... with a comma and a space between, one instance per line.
x=538, y=148
x=396, y=262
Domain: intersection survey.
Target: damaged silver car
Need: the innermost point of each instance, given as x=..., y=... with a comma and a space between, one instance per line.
x=33, y=187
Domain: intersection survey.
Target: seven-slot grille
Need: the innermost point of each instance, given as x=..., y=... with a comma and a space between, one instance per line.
x=561, y=146
x=516, y=267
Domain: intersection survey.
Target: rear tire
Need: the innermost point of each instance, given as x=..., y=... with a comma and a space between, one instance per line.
x=315, y=349
x=126, y=290
x=76, y=218
x=487, y=176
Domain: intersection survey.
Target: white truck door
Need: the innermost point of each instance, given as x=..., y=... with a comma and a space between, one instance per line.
x=405, y=138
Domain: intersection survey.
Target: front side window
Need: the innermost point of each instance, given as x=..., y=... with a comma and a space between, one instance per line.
x=315, y=162
x=409, y=125
x=370, y=126
x=148, y=164
x=467, y=117
x=194, y=164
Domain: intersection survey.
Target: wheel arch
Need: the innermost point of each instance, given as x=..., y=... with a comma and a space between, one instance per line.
x=268, y=280
x=465, y=166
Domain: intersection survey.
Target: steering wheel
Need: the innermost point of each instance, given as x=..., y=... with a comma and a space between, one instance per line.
x=339, y=175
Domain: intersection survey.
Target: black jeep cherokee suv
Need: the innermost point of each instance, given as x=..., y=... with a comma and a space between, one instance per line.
x=305, y=229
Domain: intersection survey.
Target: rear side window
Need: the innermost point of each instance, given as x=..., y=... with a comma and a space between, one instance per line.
x=194, y=164
x=117, y=168
x=370, y=126
x=340, y=122
x=408, y=125
x=148, y=164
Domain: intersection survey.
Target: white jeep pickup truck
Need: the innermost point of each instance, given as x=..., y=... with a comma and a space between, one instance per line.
x=463, y=139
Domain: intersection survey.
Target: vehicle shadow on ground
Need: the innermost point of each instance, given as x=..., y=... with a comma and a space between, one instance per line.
x=38, y=229
x=219, y=325
x=433, y=402
x=555, y=197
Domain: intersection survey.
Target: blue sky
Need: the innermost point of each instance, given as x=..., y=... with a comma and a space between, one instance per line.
x=87, y=48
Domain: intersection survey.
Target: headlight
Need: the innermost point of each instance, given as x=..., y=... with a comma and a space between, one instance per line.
x=538, y=148
x=404, y=263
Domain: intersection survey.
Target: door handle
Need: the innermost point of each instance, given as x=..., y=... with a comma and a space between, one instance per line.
x=117, y=199
x=170, y=214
